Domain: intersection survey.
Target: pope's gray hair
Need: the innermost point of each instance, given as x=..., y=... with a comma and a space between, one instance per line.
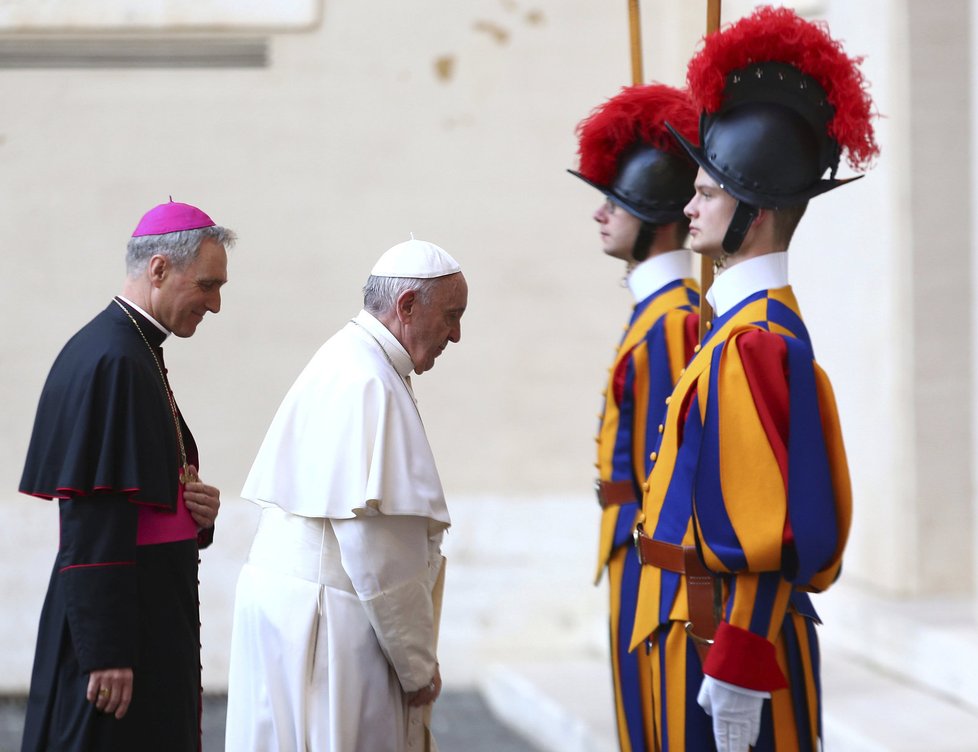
x=180, y=247
x=381, y=293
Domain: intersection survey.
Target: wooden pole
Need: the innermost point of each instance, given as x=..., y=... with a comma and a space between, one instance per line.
x=635, y=35
x=712, y=15
x=706, y=263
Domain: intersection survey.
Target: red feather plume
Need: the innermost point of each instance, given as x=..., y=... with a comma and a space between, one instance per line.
x=636, y=113
x=780, y=35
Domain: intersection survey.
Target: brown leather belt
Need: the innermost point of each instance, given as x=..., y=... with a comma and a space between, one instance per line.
x=614, y=493
x=703, y=590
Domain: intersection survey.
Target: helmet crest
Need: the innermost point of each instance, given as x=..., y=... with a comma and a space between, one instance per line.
x=779, y=35
x=635, y=114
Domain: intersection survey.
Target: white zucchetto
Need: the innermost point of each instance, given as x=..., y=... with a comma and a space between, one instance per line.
x=417, y=259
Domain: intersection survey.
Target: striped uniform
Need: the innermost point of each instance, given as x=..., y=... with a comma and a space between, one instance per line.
x=750, y=467
x=657, y=344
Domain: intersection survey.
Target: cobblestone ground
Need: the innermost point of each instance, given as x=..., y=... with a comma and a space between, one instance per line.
x=462, y=723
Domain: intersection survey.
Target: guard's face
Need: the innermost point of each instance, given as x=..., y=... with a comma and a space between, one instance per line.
x=429, y=327
x=182, y=297
x=619, y=230
x=709, y=211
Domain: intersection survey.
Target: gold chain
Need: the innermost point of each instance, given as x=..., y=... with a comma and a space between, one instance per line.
x=185, y=473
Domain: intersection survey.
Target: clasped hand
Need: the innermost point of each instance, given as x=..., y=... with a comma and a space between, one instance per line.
x=428, y=693
x=202, y=500
x=110, y=690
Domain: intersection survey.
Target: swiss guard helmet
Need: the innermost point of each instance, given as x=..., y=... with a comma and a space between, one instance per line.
x=627, y=154
x=779, y=103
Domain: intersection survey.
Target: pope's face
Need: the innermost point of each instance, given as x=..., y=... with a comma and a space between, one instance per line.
x=182, y=297
x=709, y=211
x=619, y=230
x=430, y=326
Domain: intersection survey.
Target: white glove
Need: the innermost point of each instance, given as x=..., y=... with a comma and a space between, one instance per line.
x=736, y=713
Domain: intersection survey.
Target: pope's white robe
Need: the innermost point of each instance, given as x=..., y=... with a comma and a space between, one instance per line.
x=335, y=615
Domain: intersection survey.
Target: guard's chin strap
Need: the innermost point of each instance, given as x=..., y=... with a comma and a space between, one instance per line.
x=743, y=216
x=643, y=241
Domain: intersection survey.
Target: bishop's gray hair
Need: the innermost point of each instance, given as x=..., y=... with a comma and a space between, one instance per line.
x=381, y=293
x=180, y=247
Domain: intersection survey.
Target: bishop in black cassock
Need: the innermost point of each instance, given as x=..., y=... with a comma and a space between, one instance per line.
x=117, y=665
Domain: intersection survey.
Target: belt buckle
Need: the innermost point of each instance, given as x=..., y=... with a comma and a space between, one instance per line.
x=637, y=534
x=599, y=493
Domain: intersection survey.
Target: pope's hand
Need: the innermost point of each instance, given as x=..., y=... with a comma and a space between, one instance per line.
x=202, y=501
x=736, y=713
x=427, y=694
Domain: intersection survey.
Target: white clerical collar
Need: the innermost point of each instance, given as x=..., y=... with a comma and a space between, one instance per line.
x=154, y=322
x=740, y=281
x=657, y=272
x=395, y=350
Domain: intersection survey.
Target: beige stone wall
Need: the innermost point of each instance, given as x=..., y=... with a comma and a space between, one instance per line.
x=903, y=374
x=450, y=120
x=852, y=267
x=46, y=16
x=453, y=121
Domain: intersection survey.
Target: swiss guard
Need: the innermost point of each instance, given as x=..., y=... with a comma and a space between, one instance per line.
x=627, y=153
x=748, y=504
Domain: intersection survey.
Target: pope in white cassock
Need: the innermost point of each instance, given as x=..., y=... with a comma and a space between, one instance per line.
x=336, y=610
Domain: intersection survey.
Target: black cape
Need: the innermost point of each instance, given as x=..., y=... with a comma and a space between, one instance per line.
x=104, y=421
x=104, y=442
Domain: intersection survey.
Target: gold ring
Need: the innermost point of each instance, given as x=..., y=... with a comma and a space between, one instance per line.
x=104, y=692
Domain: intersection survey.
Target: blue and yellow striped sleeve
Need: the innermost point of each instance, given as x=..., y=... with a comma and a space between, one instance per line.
x=772, y=503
